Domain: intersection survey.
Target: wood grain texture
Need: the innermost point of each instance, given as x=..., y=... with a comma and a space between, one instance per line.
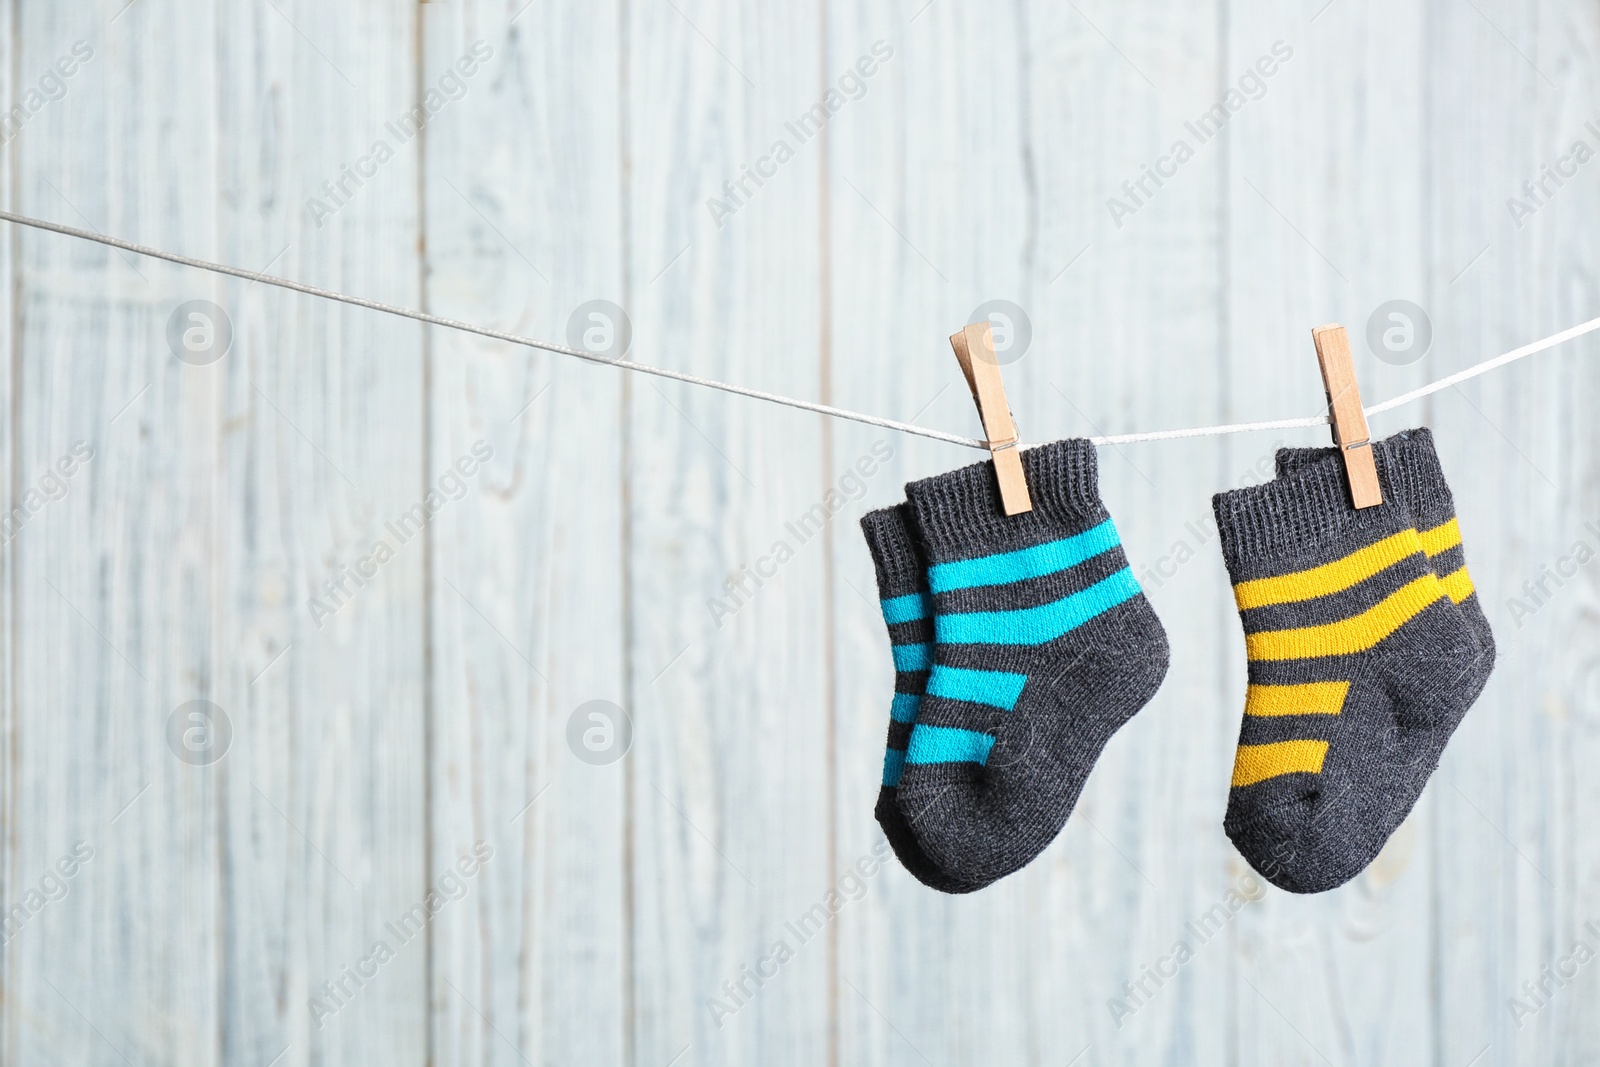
x=11, y=828
x=1517, y=881
x=694, y=558
x=730, y=773
x=319, y=416
x=119, y=577
x=523, y=200
x=219, y=498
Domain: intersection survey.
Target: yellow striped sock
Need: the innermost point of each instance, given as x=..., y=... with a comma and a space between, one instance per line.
x=1362, y=660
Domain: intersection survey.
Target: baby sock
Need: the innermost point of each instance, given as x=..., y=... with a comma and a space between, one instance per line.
x=908, y=612
x=1043, y=647
x=1360, y=668
x=1419, y=479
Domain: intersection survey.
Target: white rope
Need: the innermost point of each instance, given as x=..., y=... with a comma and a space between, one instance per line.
x=1209, y=431
x=804, y=405
x=1488, y=365
x=484, y=331
x=1404, y=398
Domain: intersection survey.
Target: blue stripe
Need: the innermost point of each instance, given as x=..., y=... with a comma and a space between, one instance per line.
x=912, y=657
x=908, y=608
x=946, y=744
x=1035, y=626
x=894, y=761
x=995, y=688
x=904, y=708
x=1035, y=562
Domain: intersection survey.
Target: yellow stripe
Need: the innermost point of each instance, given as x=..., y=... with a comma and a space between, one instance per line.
x=1457, y=586
x=1440, y=539
x=1355, y=634
x=1257, y=763
x=1330, y=577
x=1309, y=698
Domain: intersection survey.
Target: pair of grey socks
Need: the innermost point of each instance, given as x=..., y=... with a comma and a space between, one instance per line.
x=1366, y=645
x=1021, y=644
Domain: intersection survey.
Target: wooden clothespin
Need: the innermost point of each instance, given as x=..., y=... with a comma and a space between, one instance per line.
x=1350, y=430
x=974, y=347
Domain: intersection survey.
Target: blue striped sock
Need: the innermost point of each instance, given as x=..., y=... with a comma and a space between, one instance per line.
x=908, y=613
x=1043, y=647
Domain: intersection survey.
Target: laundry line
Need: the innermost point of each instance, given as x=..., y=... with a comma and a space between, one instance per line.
x=1473, y=371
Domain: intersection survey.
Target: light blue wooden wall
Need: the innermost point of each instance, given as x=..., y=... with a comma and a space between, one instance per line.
x=424, y=723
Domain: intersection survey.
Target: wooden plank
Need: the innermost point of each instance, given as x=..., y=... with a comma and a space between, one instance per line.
x=226, y=882
x=1519, y=869
x=729, y=781
x=11, y=880
x=115, y=577
x=318, y=421
x=523, y=205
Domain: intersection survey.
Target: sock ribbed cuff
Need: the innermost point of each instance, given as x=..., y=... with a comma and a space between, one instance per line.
x=1412, y=466
x=1284, y=518
x=959, y=513
x=894, y=557
x=1304, y=511
x=1414, y=471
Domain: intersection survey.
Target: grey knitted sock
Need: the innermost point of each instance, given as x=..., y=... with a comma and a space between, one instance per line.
x=1419, y=479
x=908, y=612
x=1044, y=646
x=1360, y=668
